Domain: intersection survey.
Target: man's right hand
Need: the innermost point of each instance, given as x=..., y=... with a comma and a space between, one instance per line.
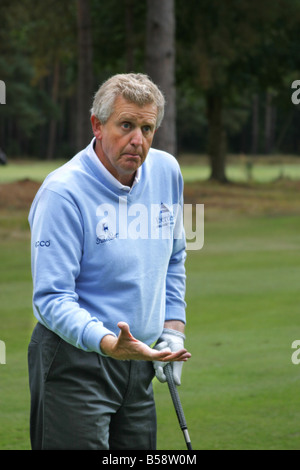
x=126, y=347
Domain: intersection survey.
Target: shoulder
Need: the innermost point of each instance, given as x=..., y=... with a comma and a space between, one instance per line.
x=66, y=179
x=159, y=159
x=163, y=173
x=62, y=186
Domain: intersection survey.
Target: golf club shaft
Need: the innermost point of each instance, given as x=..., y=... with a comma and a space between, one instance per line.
x=177, y=404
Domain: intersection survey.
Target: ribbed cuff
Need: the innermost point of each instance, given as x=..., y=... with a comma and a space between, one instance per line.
x=93, y=334
x=175, y=313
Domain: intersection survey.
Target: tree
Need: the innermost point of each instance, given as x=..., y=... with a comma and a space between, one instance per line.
x=85, y=73
x=160, y=65
x=233, y=48
x=235, y=62
x=35, y=56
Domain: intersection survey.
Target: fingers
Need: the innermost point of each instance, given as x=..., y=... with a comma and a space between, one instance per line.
x=167, y=356
x=125, y=330
x=127, y=342
x=181, y=355
x=124, y=327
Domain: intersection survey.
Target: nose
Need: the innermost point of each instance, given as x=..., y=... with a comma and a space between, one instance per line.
x=136, y=137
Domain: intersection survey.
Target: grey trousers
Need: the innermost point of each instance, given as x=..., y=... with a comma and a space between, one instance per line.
x=84, y=401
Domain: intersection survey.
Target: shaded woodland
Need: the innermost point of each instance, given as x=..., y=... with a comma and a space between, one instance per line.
x=226, y=69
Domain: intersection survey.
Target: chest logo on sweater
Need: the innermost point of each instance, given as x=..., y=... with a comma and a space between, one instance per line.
x=104, y=233
x=135, y=221
x=165, y=217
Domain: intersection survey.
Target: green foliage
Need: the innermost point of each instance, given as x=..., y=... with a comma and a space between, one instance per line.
x=233, y=48
x=111, y=36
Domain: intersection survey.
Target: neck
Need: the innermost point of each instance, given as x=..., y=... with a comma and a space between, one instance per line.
x=125, y=179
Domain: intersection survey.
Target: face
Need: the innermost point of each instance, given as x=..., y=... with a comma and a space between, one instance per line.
x=123, y=142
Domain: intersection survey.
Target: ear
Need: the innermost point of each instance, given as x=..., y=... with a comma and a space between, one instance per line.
x=97, y=127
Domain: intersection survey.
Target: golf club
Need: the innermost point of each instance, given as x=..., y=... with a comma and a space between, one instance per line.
x=177, y=404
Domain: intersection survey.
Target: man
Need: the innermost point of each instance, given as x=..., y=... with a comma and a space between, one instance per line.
x=108, y=254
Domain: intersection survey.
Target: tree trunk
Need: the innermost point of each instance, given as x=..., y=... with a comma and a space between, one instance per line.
x=270, y=118
x=216, y=139
x=53, y=122
x=255, y=125
x=268, y=122
x=85, y=74
x=129, y=27
x=160, y=66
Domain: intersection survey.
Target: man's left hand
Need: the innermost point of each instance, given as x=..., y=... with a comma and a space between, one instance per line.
x=172, y=340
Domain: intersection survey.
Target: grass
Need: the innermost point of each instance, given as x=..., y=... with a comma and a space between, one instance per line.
x=23, y=169
x=16, y=324
x=243, y=169
x=239, y=390
x=238, y=173
x=261, y=169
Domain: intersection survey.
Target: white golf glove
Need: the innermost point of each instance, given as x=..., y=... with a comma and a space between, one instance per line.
x=170, y=340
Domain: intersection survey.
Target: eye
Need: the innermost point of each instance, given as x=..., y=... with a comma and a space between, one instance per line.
x=126, y=126
x=147, y=129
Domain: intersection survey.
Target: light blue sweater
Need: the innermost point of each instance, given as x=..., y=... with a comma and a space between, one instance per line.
x=104, y=253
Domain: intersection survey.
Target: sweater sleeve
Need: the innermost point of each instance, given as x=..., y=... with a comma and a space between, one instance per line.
x=56, y=249
x=176, y=277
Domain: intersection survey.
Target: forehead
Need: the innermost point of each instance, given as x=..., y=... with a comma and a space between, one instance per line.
x=141, y=113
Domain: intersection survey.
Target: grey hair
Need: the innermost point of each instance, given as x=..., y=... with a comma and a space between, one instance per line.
x=134, y=87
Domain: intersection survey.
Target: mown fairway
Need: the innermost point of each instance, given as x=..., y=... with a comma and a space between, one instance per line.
x=240, y=390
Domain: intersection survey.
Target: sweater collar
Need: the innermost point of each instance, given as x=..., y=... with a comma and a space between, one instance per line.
x=113, y=181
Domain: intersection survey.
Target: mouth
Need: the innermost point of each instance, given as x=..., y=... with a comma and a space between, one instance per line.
x=131, y=155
